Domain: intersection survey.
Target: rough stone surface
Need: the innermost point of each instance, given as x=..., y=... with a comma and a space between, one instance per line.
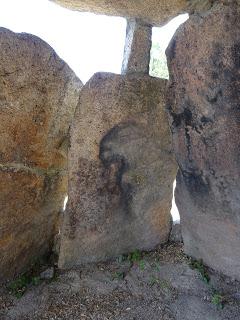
x=137, y=47
x=155, y=12
x=38, y=97
x=176, y=233
x=204, y=63
x=121, y=170
x=47, y=274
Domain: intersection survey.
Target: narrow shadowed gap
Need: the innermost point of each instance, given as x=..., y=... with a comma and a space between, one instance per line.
x=158, y=68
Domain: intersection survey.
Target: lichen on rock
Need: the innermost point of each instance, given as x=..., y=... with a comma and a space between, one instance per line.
x=38, y=97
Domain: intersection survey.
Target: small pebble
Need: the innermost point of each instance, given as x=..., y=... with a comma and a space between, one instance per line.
x=47, y=274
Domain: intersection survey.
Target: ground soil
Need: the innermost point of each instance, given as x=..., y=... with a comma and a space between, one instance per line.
x=161, y=285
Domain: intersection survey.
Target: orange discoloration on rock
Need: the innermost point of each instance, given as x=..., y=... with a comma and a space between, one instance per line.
x=38, y=97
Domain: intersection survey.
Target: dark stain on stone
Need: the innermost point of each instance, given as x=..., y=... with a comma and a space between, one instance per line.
x=195, y=183
x=215, y=75
x=188, y=143
x=235, y=50
x=215, y=97
x=216, y=58
x=171, y=50
x=206, y=120
x=180, y=118
x=73, y=222
x=228, y=75
x=109, y=157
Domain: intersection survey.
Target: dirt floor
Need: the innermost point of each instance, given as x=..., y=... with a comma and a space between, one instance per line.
x=161, y=285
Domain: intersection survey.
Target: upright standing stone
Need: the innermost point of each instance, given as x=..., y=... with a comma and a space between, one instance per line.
x=137, y=47
x=121, y=170
x=204, y=61
x=38, y=97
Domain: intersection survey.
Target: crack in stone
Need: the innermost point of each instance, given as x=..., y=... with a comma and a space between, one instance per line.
x=15, y=167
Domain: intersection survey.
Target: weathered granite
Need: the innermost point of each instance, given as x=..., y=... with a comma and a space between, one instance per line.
x=137, y=47
x=155, y=12
x=38, y=97
x=204, y=97
x=121, y=170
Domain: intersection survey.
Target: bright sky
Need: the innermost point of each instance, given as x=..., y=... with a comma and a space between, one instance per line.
x=164, y=35
x=88, y=43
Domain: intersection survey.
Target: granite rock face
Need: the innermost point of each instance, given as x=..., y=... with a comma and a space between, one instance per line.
x=38, y=97
x=121, y=170
x=204, y=62
x=155, y=12
x=137, y=48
